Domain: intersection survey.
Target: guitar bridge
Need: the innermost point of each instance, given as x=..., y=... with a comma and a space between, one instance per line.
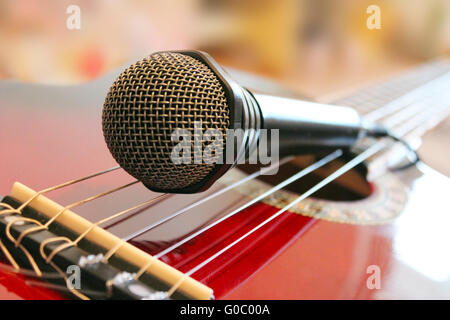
x=108, y=267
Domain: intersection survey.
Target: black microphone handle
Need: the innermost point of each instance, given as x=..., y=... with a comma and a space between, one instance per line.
x=306, y=127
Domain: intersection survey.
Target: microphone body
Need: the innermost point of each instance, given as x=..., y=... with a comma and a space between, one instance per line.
x=306, y=127
x=175, y=89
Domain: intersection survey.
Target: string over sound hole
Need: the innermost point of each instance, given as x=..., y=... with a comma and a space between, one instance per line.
x=351, y=186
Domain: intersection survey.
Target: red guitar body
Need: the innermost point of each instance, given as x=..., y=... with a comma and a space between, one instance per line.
x=53, y=134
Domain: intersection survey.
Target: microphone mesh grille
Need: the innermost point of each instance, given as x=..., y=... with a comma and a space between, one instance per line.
x=151, y=99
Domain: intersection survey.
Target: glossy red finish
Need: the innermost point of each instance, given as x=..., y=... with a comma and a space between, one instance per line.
x=229, y=270
x=53, y=134
x=15, y=287
x=330, y=260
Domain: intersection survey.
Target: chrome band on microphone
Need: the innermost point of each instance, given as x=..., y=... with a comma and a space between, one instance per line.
x=251, y=114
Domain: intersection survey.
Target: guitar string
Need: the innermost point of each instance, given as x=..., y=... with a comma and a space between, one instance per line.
x=56, y=187
x=89, y=199
x=376, y=114
x=254, y=175
x=17, y=241
x=408, y=129
x=46, y=275
x=209, y=197
x=136, y=212
x=174, y=215
x=297, y=176
x=327, y=180
x=433, y=106
x=406, y=99
x=115, y=216
x=332, y=156
x=420, y=118
x=430, y=123
x=181, y=211
x=48, y=258
x=68, y=183
x=117, y=167
x=81, y=296
x=59, y=213
x=377, y=147
x=372, y=115
x=360, y=158
x=146, y=267
x=10, y=210
x=64, y=184
x=145, y=229
x=192, y=236
x=170, y=292
x=28, y=273
x=345, y=168
x=152, y=226
x=82, y=235
x=68, y=242
x=413, y=110
x=9, y=256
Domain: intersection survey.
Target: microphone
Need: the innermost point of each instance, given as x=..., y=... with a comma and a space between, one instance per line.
x=173, y=90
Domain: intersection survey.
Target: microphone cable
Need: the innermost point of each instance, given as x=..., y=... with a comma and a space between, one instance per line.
x=379, y=131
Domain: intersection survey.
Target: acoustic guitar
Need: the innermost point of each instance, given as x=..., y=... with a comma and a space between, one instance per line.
x=339, y=225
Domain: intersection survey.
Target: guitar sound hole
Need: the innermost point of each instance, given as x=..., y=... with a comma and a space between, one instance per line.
x=348, y=187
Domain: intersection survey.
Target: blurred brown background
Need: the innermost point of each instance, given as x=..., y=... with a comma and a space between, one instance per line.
x=314, y=45
x=317, y=47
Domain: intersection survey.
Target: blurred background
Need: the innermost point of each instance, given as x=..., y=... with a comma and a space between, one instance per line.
x=317, y=46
